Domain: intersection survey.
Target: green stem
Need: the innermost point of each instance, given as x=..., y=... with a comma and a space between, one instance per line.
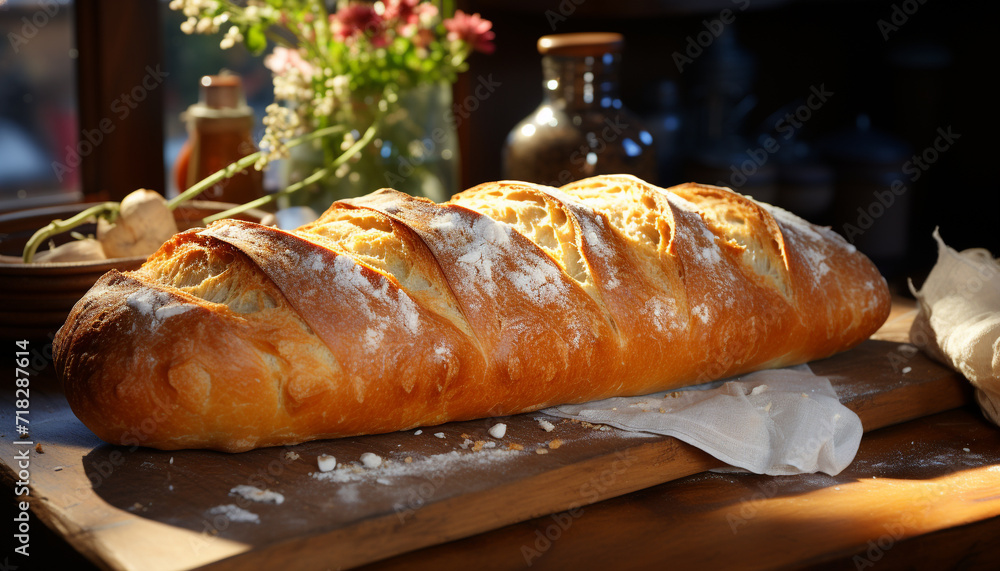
x=233, y=168
x=322, y=28
x=59, y=226
x=265, y=200
x=447, y=8
x=292, y=188
x=205, y=183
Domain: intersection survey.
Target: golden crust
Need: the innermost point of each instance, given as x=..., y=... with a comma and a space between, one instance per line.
x=391, y=312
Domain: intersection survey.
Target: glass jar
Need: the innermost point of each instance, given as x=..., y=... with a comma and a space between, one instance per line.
x=581, y=128
x=220, y=131
x=415, y=150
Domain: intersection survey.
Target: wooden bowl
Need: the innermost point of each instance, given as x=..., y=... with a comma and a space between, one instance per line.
x=37, y=297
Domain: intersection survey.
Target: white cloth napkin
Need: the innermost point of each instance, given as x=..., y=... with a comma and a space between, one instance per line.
x=958, y=322
x=777, y=422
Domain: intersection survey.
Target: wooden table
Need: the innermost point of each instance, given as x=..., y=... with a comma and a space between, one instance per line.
x=923, y=491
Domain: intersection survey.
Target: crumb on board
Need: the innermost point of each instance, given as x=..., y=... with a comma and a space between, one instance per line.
x=465, y=436
x=418, y=432
x=556, y=443
x=662, y=410
x=255, y=494
x=439, y=434
x=38, y=448
x=291, y=455
x=514, y=446
x=371, y=460
x=326, y=462
x=235, y=513
x=546, y=425
x=907, y=369
x=586, y=424
x=408, y=459
x=541, y=451
x=498, y=430
x=478, y=445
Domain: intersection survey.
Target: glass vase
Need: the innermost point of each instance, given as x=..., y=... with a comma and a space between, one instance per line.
x=415, y=150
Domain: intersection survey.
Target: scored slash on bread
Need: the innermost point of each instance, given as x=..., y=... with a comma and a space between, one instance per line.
x=391, y=312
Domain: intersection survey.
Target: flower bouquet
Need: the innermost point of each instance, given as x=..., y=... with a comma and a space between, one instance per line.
x=371, y=76
x=363, y=101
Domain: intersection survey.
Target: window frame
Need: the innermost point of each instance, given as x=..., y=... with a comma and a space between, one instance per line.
x=120, y=97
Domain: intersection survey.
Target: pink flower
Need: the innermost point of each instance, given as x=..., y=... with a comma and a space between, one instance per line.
x=357, y=20
x=282, y=59
x=403, y=11
x=425, y=14
x=472, y=30
x=412, y=19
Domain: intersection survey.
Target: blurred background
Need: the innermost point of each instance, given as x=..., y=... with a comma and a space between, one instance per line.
x=874, y=117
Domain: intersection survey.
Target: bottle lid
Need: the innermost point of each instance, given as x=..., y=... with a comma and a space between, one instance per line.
x=220, y=96
x=582, y=44
x=223, y=91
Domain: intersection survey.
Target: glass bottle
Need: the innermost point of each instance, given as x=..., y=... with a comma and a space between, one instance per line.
x=220, y=131
x=581, y=128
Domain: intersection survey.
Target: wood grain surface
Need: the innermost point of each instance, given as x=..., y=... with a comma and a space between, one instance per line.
x=920, y=495
x=138, y=508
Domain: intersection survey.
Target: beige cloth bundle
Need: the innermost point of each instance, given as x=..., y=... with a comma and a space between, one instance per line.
x=959, y=319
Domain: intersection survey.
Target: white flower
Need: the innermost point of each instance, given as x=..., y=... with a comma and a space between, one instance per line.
x=232, y=36
x=204, y=26
x=280, y=124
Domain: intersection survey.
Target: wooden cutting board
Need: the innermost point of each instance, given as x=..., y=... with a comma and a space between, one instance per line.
x=147, y=509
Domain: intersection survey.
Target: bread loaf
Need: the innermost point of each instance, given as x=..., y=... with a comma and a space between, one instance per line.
x=392, y=312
